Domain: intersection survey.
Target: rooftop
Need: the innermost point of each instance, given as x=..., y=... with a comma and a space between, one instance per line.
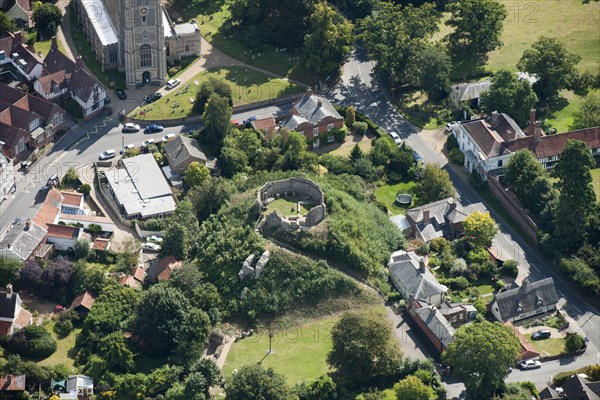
x=528, y=297
x=404, y=268
x=101, y=21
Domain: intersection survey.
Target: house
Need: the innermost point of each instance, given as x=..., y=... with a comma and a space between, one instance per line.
x=64, y=237
x=20, y=12
x=469, y=91
x=26, y=122
x=432, y=323
x=313, y=115
x=579, y=387
x=161, y=270
x=457, y=313
x=12, y=385
x=88, y=219
x=23, y=240
x=528, y=300
x=7, y=176
x=401, y=221
x=549, y=393
x=134, y=279
x=182, y=151
x=12, y=314
x=181, y=40
x=140, y=189
x=443, y=218
x=64, y=78
x=14, y=50
x=488, y=143
x=412, y=278
x=264, y=124
x=72, y=203
x=84, y=302
x=80, y=385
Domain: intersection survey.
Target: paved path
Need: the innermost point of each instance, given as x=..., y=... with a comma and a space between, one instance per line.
x=64, y=31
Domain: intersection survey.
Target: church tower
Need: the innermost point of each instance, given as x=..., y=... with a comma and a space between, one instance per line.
x=142, y=42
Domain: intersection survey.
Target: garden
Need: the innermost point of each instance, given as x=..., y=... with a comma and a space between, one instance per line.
x=387, y=195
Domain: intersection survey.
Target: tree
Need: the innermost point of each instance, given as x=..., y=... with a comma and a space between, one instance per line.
x=33, y=342
x=509, y=95
x=196, y=173
x=7, y=24
x=217, y=120
x=350, y=116
x=588, y=114
x=47, y=18
x=324, y=388
x=480, y=228
x=71, y=178
x=574, y=342
x=116, y=354
x=232, y=161
x=434, y=185
x=9, y=271
x=360, y=127
x=210, y=196
x=479, y=356
x=356, y=153
x=207, y=89
x=193, y=334
x=363, y=348
x=431, y=68
x=477, y=26
x=129, y=252
x=82, y=249
x=412, y=388
x=196, y=387
x=328, y=44
x=159, y=317
x=95, y=367
x=253, y=382
x=577, y=197
x=552, y=63
x=176, y=241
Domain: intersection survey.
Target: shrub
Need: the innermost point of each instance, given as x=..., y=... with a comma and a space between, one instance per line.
x=451, y=143
x=85, y=189
x=459, y=283
x=458, y=267
x=340, y=135
x=574, y=342
x=438, y=245
x=478, y=256
x=500, y=284
x=423, y=249
x=456, y=156
x=510, y=268
x=63, y=327
x=32, y=342
x=360, y=127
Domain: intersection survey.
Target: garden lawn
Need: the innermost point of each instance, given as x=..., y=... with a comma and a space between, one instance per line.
x=44, y=46
x=231, y=42
x=299, y=353
x=64, y=346
x=287, y=206
x=596, y=182
x=562, y=119
x=387, y=195
x=550, y=346
x=248, y=86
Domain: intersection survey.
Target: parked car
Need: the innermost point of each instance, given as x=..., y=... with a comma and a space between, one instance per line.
x=418, y=157
x=54, y=180
x=153, y=128
x=450, y=125
x=168, y=137
x=108, y=154
x=541, y=334
x=530, y=364
x=148, y=142
x=396, y=138
x=121, y=94
x=129, y=146
x=129, y=127
x=59, y=309
x=247, y=121
x=171, y=83
x=152, y=98
x=148, y=246
x=154, y=238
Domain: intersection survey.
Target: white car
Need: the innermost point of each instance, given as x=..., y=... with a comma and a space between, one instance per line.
x=129, y=146
x=396, y=138
x=530, y=364
x=171, y=83
x=129, y=127
x=148, y=142
x=148, y=246
x=154, y=238
x=108, y=154
x=450, y=125
x=168, y=137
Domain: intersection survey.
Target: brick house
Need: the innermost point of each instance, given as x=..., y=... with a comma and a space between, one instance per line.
x=26, y=122
x=12, y=314
x=432, y=323
x=312, y=115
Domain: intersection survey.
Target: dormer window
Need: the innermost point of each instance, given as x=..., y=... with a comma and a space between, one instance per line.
x=539, y=302
x=519, y=309
x=33, y=125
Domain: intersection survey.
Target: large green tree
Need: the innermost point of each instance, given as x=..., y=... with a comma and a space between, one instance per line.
x=253, y=382
x=509, y=95
x=577, y=197
x=412, y=388
x=47, y=18
x=9, y=271
x=434, y=185
x=477, y=26
x=363, y=347
x=217, y=120
x=431, y=69
x=7, y=24
x=328, y=44
x=552, y=63
x=479, y=356
x=588, y=114
x=480, y=228
x=176, y=241
x=196, y=173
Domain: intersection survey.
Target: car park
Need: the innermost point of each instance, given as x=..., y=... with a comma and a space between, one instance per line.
x=148, y=142
x=541, y=334
x=121, y=94
x=153, y=128
x=171, y=83
x=108, y=154
x=396, y=138
x=530, y=364
x=152, y=98
x=149, y=246
x=168, y=137
x=129, y=127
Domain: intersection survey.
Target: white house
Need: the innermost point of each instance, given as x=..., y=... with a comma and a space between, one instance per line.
x=14, y=50
x=12, y=314
x=7, y=175
x=526, y=301
x=63, y=237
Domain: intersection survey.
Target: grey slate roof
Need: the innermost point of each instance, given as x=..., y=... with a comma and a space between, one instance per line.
x=181, y=149
x=311, y=108
x=22, y=241
x=549, y=394
x=406, y=276
x=469, y=90
x=101, y=21
x=293, y=121
x=437, y=324
x=579, y=388
x=526, y=297
x=8, y=305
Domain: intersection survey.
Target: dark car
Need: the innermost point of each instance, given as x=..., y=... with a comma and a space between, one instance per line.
x=418, y=157
x=152, y=98
x=121, y=94
x=153, y=128
x=541, y=334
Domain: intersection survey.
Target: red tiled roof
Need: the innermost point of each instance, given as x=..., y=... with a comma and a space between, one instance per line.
x=101, y=244
x=138, y=273
x=85, y=300
x=54, y=197
x=72, y=199
x=553, y=145
x=128, y=280
x=63, y=231
x=165, y=267
x=25, y=101
x=24, y=318
x=12, y=383
x=267, y=123
x=46, y=215
x=58, y=78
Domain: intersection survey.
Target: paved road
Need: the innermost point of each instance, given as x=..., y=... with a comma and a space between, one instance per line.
x=358, y=87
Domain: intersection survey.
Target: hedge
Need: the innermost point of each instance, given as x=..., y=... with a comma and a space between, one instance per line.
x=32, y=342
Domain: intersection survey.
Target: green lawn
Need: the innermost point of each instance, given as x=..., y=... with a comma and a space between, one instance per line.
x=299, y=352
x=287, y=206
x=248, y=86
x=550, y=346
x=596, y=183
x=388, y=394
x=213, y=27
x=44, y=46
x=387, y=195
x=485, y=289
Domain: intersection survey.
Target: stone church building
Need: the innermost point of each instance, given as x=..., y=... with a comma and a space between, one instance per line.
x=137, y=37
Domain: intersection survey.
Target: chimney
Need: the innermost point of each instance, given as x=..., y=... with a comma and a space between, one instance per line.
x=524, y=283
x=422, y=265
x=18, y=37
x=9, y=290
x=426, y=216
x=309, y=92
x=27, y=224
x=494, y=120
x=532, y=116
x=54, y=45
x=319, y=103
x=537, y=131
x=78, y=62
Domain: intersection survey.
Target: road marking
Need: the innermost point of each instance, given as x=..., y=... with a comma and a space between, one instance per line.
x=29, y=185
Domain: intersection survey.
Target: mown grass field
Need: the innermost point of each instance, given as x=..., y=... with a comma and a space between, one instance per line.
x=287, y=206
x=550, y=346
x=387, y=195
x=248, y=86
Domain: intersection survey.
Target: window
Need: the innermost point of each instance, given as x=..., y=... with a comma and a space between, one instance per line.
x=113, y=56
x=315, y=132
x=145, y=56
x=187, y=48
x=454, y=318
x=168, y=51
x=500, y=163
x=58, y=119
x=1, y=55
x=330, y=138
x=34, y=124
x=144, y=19
x=21, y=145
x=95, y=106
x=143, y=2
x=329, y=127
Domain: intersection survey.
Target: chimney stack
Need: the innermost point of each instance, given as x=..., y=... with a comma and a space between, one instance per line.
x=27, y=224
x=532, y=116
x=9, y=290
x=426, y=216
x=309, y=91
x=54, y=45
x=537, y=131
x=494, y=120
x=18, y=37
x=422, y=265
x=78, y=62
